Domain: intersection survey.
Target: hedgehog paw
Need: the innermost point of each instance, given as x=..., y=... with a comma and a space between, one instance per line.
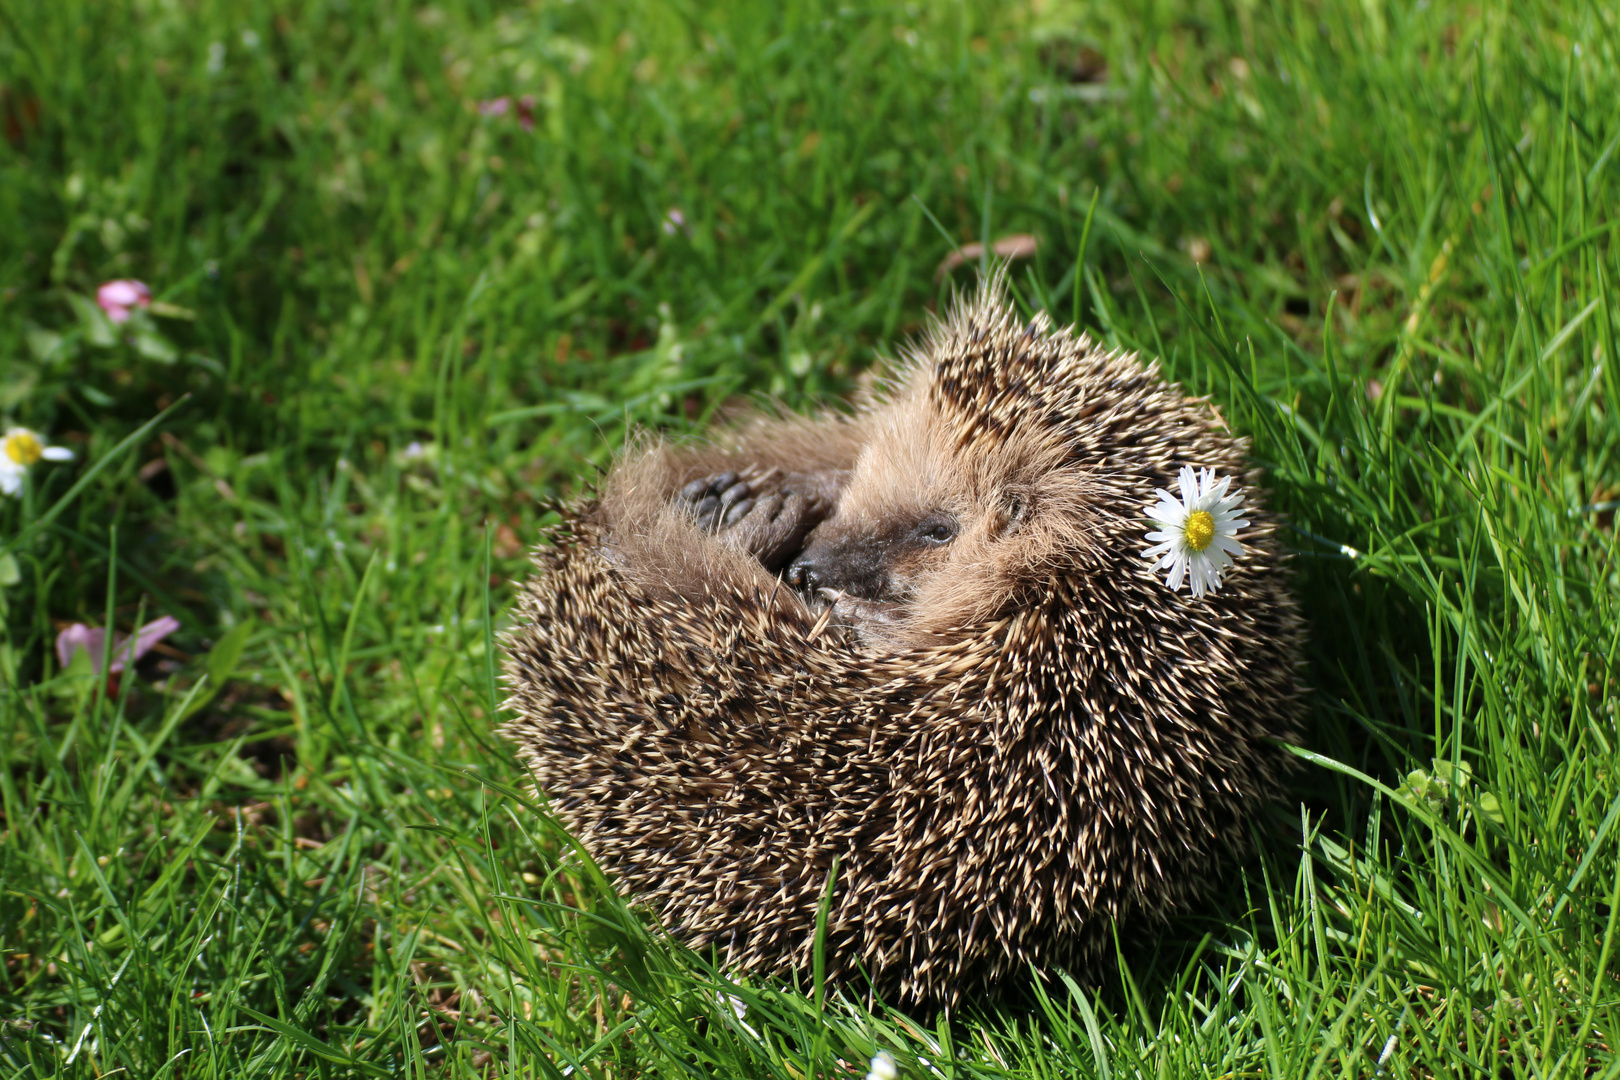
x=712, y=501
x=754, y=511
x=774, y=526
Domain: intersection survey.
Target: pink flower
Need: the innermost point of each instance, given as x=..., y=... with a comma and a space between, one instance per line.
x=495, y=106
x=125, y=651
x=119, y=298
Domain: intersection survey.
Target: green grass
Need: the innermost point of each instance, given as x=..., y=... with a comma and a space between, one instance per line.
x=397, y=328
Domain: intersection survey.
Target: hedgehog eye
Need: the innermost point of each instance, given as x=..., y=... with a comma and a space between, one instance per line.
x=937, y=530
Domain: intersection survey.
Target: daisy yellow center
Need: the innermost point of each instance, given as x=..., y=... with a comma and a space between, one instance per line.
x=1199, y=530
x=23, y=448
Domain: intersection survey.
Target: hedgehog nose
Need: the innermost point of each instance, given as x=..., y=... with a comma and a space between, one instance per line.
x=802, y=574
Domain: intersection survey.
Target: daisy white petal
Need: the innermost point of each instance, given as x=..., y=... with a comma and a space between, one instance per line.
x=1167, y=509
x=1178, y=570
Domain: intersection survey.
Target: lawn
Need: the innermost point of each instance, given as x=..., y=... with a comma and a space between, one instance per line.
x=418, y=269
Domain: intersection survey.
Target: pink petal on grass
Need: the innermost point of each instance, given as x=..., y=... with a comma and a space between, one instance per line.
x=76, y=637
x=125, y=650
x=119, y=298
x=148, y=636
x=1016, y=246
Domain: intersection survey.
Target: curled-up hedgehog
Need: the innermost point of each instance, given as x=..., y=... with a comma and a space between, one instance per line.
x=924, y=642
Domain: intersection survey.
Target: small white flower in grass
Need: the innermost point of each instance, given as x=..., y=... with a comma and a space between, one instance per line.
x=1197, y=534
x=21, y=448
x=882, y=1067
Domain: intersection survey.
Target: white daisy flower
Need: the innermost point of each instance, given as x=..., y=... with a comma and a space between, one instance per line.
x=1197, y=534
x=21, y=448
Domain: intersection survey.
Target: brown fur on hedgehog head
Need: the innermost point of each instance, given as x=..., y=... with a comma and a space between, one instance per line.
x=1002, y=458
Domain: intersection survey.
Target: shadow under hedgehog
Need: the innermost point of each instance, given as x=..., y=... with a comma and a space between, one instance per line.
x=924, y=641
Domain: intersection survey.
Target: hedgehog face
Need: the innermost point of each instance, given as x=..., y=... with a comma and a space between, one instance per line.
x=930, y=535
x=880, y=559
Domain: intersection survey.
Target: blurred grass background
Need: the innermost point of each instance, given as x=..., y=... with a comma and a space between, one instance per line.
x=419, y=268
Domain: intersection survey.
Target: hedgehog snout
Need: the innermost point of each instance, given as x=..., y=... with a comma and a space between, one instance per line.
x=856, y=569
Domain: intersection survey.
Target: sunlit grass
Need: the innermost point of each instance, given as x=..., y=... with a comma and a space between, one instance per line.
x=393, y=328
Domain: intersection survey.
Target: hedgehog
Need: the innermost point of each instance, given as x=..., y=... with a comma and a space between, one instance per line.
x=912, y=662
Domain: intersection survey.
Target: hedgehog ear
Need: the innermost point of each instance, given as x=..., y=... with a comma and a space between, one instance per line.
x=1015, y=508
